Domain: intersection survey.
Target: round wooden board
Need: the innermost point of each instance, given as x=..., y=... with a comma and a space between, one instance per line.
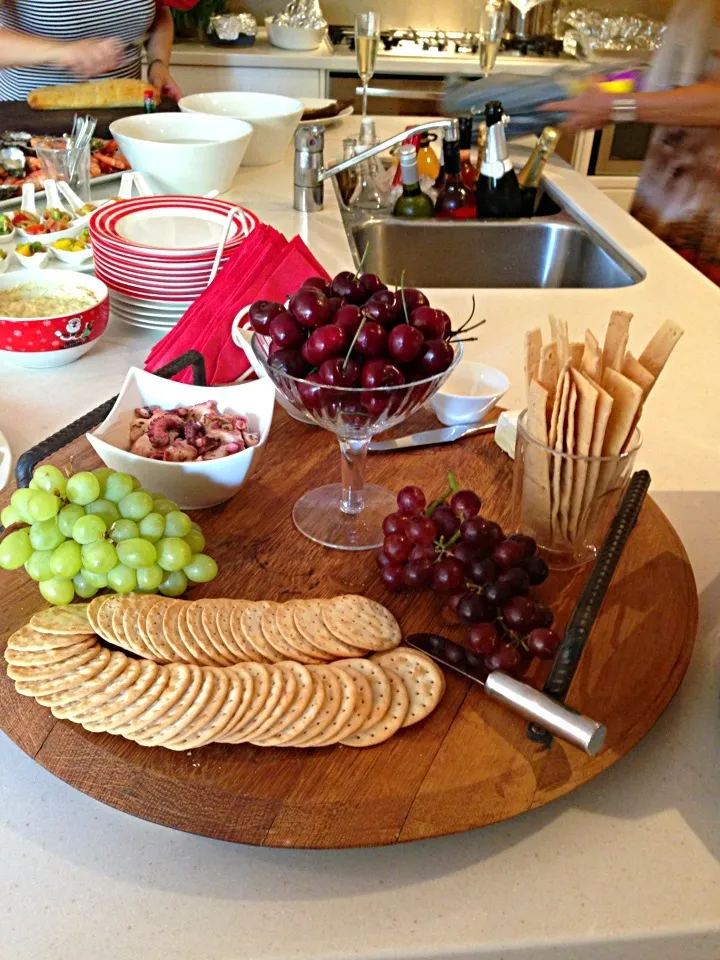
x=468, y=765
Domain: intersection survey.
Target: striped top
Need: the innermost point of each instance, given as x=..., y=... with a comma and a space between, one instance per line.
x=72, y=20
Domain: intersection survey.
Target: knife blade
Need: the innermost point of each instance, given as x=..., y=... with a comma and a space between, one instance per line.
x=533, y=704
x=429, y=438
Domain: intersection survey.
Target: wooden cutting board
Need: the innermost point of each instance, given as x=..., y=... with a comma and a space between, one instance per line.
x=17, y=115
x=469, y=764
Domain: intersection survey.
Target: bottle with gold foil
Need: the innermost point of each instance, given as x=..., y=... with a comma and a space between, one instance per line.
x=530, y=177
x=468, y=171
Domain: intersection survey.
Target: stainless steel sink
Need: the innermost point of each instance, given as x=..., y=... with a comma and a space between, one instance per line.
x=550, y=251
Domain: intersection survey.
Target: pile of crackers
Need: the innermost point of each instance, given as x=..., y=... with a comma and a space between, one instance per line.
x=220, y=632
x=355, y=701
x=584, y=400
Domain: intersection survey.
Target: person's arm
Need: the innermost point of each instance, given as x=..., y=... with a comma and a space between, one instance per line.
x=84, y=58
x=159, y=48
x=697, y=105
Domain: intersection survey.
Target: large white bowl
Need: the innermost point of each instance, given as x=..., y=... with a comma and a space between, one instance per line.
x=272, y=117
x=183, y=153
x=200, y=483
x=294, y=38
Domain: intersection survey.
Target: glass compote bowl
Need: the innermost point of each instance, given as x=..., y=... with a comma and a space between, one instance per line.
x=349, y=515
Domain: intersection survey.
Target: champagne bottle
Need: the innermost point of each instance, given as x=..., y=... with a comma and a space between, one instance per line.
x=468, y=172
x=497, y=192
x=531, y=174
x=455, y=201
x=413, y=203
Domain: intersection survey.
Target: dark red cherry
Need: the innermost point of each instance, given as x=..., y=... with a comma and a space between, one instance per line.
x=289, y=362
x=286, y=331
x=371, y=283
x=371, y=341
x=347, y=286
x=435, y=357
x=313, y=397
x=334, y=374
x=318, y=283
x=335, y=303
x=431, y=323
x=310, y=307
x=414, y=298
x=325, y=342
x=380, y=373
x=392, y=303
x=348, y=317
x=262, y=313
x=404, y=343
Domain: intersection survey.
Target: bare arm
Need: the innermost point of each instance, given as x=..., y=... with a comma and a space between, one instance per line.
x=697, y=105
x=84, y=58
x=159, y=48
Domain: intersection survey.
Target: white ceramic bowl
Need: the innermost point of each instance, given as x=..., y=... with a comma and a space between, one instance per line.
x=294, y=38
x=4, y=260
x=75, y=258
x=35, y=262
x=469, y=393
x=193, y=485
x=272, y=117
x=183, y=153
x=53, y=340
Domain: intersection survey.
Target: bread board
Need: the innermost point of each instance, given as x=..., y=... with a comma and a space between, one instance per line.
x=468, y=765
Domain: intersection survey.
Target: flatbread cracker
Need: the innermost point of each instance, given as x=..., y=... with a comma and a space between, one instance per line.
x=568, y=465
x=635, y=371
x=591, y=363
x=603, y=409
x=657, y=353
x=536, y=472
x=627, y=397
x=548, y=372
x=559, y=329
x=533, y=347
x=587, y=396
x=616, y=340
x=558, y=444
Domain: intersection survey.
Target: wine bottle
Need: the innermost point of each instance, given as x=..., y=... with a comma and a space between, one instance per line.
x=531, y=174
x=497, y=191
x=455, y=201
x=468, y=171
x=413, y=203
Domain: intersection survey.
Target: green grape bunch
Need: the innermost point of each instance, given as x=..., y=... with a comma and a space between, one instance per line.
x=100, y=530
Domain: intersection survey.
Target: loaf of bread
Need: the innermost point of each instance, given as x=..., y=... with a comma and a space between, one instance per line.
x=119, y=92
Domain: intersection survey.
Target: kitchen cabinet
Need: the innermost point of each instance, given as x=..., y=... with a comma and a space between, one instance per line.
x=210, y=79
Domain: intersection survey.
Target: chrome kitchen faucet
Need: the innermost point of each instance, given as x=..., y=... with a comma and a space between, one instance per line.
x=310, y=173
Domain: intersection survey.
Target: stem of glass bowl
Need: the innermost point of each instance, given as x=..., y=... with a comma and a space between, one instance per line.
x=354, y=457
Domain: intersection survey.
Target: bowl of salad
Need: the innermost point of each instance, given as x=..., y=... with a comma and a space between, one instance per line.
x=73, y=250
x=32, y=254
x=7, y=230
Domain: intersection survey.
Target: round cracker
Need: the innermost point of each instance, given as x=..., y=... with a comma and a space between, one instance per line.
x=195, y=652
x=330, y=679
x=193, y=620
x=305, y=687
x=423, y=678
x=123, y=698
x=250, y=624
x=379, y=685
x=313, y=709
x=93, y=608
x=266, y=719
x=390, y=723
x=171, y=633
x=36, y=688
x=223, y=621
x=285, y=620
x=178, y=678
x=260, y=675
x=62, y=620
x=103, y=618
x=39, y=658
x=358, y=718
x=208, y=618
x=51, y=671
x=132, y=628
x=309, y=621
x=248, y=650
x=27, y=638
x=269, y=627
x=180, y=717
x=232, y=702
x=118, y=720
x=362, y=622
x=116, y=667
x=152, y=629
x=220, y=686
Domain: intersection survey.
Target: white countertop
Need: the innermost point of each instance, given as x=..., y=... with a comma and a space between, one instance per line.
x=262, y=54
x=625, y=868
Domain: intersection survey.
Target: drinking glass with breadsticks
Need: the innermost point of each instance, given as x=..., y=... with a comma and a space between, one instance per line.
x=578, y=437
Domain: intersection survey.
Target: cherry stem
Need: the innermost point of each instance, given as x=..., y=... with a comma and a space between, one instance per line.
x=464, y=340
x=362, y=260
x=350, y=348
x=402, y=296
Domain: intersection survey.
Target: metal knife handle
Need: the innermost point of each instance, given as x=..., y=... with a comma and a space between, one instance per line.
x=582, y=732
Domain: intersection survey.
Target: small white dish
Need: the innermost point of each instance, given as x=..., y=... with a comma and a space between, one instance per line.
x=469, y=393
x=195, y=484
x=74, y=257
x=4, y=260
x=6, y=238
x=294, y=38
x=36, y=262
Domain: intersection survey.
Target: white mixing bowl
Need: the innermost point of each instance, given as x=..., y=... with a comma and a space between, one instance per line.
x=183, y=153
x=272, y=117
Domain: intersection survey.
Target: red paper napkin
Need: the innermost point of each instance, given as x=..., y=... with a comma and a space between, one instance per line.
x=266, y=267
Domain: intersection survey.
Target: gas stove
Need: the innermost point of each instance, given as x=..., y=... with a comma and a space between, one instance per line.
x=437, y=43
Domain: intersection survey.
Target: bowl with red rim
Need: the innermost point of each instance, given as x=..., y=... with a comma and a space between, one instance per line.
x=63, y=315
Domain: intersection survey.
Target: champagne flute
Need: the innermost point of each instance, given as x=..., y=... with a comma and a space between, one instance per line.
x=492, y=25
x=367, y=39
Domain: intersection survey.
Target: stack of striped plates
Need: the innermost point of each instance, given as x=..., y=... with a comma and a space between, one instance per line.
x=156, y=254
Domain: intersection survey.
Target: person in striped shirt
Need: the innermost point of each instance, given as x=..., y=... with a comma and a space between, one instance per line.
x=46, y=42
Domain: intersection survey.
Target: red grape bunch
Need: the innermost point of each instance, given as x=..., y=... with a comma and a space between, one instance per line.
x=353, y=331
x=449, y=547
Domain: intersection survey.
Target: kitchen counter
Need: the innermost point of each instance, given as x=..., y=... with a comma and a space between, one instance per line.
x=262, y=54
x=625, y=868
